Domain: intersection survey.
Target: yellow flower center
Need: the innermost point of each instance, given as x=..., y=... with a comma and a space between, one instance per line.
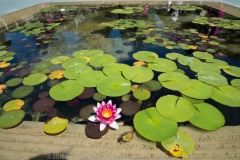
x=106, y=113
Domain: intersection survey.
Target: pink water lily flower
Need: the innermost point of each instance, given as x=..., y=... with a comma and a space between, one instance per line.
x=107, y=113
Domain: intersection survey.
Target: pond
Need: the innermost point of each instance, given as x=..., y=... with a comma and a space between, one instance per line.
x=174, y=59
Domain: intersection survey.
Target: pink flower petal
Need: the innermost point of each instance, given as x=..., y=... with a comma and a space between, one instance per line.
x=114, y=125
x=98, y=105
x=102, y=126
x=118, y=116
x=109, y=102
x=103, y=103
x=93, y=118
x=95, y=109
x=119, y=110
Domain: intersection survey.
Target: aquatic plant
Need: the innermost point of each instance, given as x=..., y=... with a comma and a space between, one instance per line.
x=106, y=114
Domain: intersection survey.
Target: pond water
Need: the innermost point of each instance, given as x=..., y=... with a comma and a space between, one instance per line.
x=155, y=28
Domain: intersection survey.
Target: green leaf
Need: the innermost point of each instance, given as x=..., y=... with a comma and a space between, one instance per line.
x=162, y=65
x=90, y=78
x=146, y=56
x=34, y=79
x=11, y=118
x=212, y=78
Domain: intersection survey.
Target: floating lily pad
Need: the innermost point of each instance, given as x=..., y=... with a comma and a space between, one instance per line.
x=185, y=60
x=207, y=117
x=219, y=63
x=175, y=108
x=55, y=126
x=198, y=90
x=12, y=118
x=114, y=69
x=138, y=74
x=43, y=94
x=202, y=55
x=174, y=81
x=162, y=65
x=142, y=94
x=232, y=70
x=59, y=59
x=92, y=130
x=52, y=112
x=153, y=84
x=129, y=108
x=180, y=145
x=42, y=65
x=102, y=60
x=146, y=56
x=34, y=79
x=74, y=72
x=212, y=78
x=227, y=95
x=2, y=53
x=14, y=82
x=98, y=96
x=90, y=78
x=43, y=104
x=66, y=90
x=200, y=66
x=236, y=83
x=88, y=54
x=145, y=123
x=74, y=62
x=22, y=91
x=87, y=111
x=57, y=74
x=13, y=104
x=2, y=87
x=193, y=100
x=113, y=86
x=173, y=55
x=4, y=64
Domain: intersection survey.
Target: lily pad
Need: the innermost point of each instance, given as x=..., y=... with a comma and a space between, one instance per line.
x=173, y=55
x=185, y=60
x=88, y=54
x=34, y=79
x=207, y=117
x=212, y=78
x=12, y=118
x=13, y=104
x=232, y=70
x=14, y=82
x=42, y=65
x=114, y=69
x=87, y=93
x=92, y=130
x=57, y=74
x=74, y=62
x=59, y=59
x=90, y=78
x=180, y=145
x=138, y=74
x=22, y=91
x=175, y=108
x=174, y=81
x=98, y=96
x=146, y=56
x=113, y=86
x=55, y=126
x=87, y=111
x=202, y=55
x=102, y=60
x=227, y=95
x=200, y=66
x=142, y=94
x=162, y=65
x=66, y=90
x=193, y=100
x=198, y=90
x=153, y=85
x=236, y=83
x=153, y=126
x=43, y=104
x=129, y=108
x=74, y=72
x=219, y=63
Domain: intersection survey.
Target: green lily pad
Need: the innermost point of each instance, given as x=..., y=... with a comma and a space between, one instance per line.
x=55, y=125
x=175, y=108
x=193, y=100
x=2, y=53
x=42, y=65
x=22, y=91
x=227, y=95
x=98, y=96
x=174, y=81
x=236, y=83
x=7, y=59
x=90, y=78
x=66, y=90
x=173, y=55
x=153, y=85
x=113, y=86
x=138, y=74
x=202, y=55
x=146, y=56
x=34, y=79
x=162, y=65
x=198, y=90
x=179, y=71
x=219, y=63
x=74, y=72
x=102, y=60
x=14, y=82
x=232, y=70
x=129, y=108
x=212, y=78
x=142, y=94
x=153, y=126
x=87, y=111
x=185, y=60
x=59, y=59
x=2, y=47
x=114, y=69
x=200, y=66
x=87, y=53
x=11, y=118
x=207, y=117
x=180, y=145
x=74, y=62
